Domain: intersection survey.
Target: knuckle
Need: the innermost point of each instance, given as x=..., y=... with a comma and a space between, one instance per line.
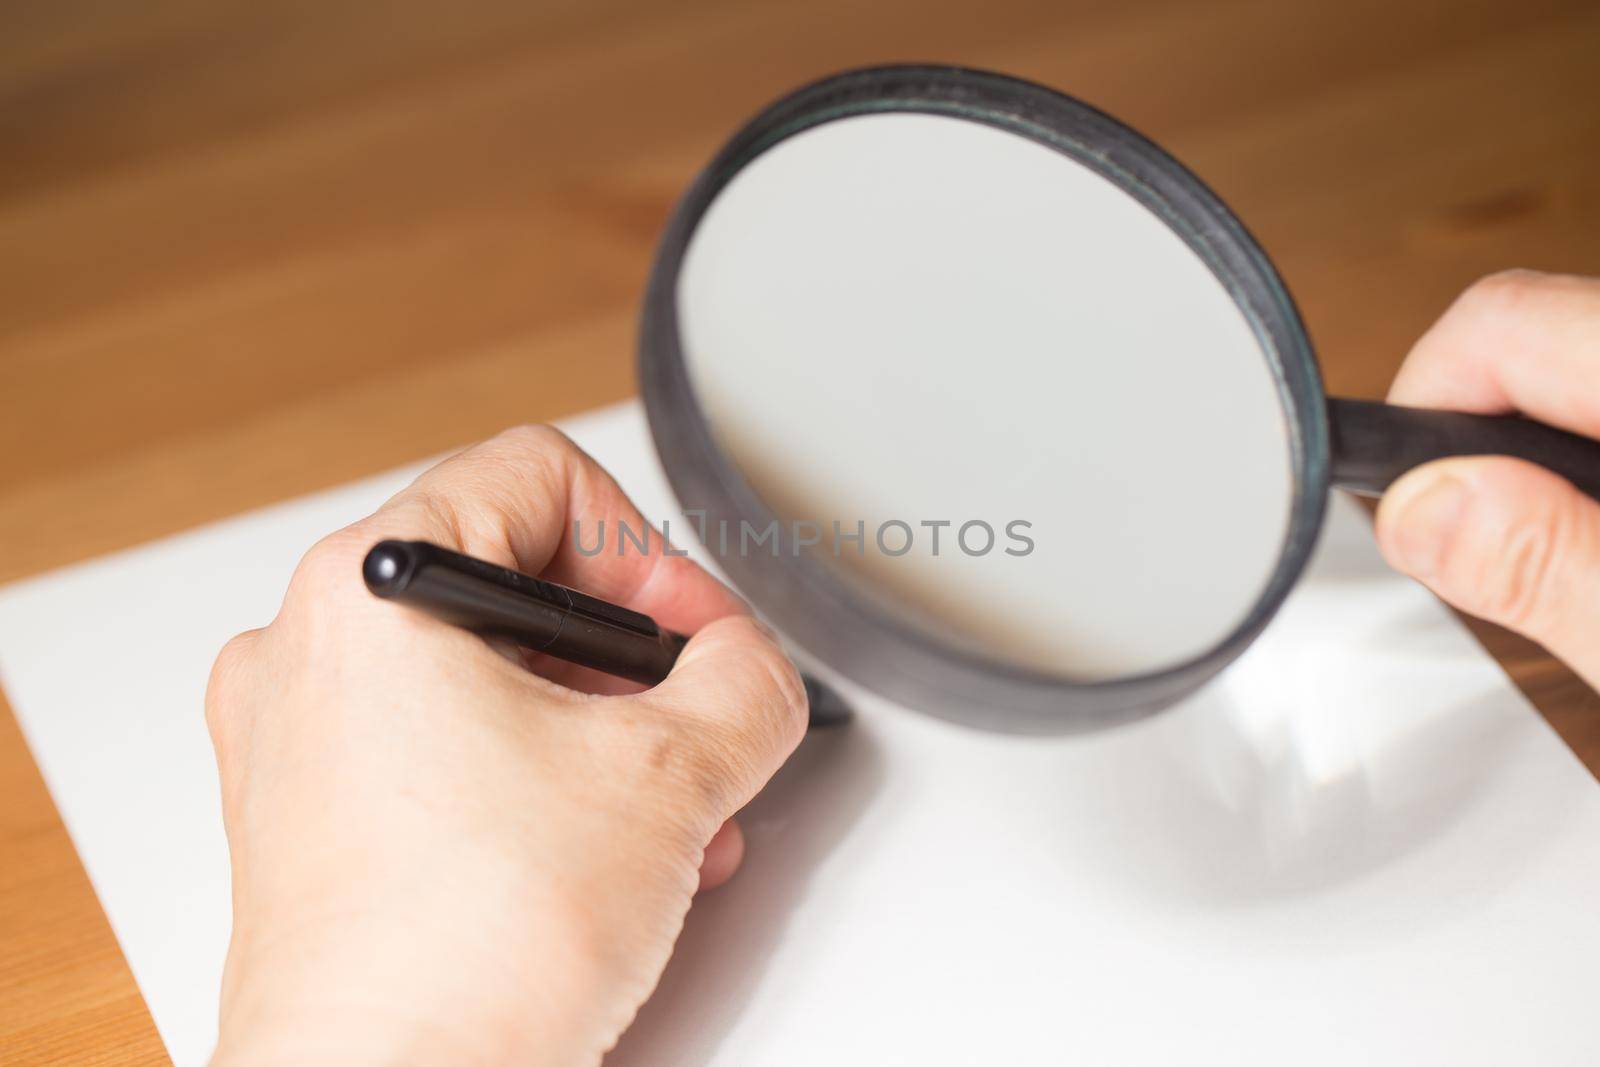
x=491, y=478
x=332, y=563
x=420, y=511
x=533, y=439
x=780, y=703
x=1520, y=590
x=772, y=695
x=325, y=584
x=1503, y=292
x=1529, y=299
x=793, y=690
x=775, y=696
x=755, y=721
x=223, y=685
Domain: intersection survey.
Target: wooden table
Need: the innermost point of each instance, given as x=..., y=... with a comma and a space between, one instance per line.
x=250, y=250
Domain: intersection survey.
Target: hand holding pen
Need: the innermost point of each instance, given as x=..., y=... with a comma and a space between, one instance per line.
x=415, y=817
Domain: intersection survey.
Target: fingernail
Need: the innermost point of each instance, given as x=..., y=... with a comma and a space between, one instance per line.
x=1422, y=522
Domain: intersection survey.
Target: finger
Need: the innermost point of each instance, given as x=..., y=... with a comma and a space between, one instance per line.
x=233, y=682
x=515, y=500
x=740, y=705
x=723, y=856
x=579, y=678
x=1504, y=540
x=1518, y=341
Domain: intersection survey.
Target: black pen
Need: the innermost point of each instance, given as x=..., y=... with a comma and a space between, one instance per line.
x=495, y=601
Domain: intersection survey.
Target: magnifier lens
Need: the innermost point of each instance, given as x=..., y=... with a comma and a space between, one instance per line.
x=994, y=391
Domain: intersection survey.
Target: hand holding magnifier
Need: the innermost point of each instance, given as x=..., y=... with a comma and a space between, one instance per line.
x=927, y=300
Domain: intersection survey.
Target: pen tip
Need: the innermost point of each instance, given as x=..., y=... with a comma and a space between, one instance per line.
x=827, y=707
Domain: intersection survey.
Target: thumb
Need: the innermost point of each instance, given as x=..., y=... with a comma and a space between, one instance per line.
x=741, y=703
x=1507, y=541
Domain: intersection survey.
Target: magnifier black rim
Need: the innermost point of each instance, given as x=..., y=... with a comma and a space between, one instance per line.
x=843, y=627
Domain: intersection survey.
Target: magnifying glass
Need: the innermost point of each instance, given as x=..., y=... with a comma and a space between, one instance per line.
x=995, y=408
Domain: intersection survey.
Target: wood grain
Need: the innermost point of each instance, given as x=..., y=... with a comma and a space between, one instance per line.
x=252, y=250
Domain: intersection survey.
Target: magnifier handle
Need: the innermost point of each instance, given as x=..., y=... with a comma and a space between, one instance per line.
x=1373, y=443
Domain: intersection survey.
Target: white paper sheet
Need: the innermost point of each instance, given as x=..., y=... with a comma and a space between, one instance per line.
x=1360, y=845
